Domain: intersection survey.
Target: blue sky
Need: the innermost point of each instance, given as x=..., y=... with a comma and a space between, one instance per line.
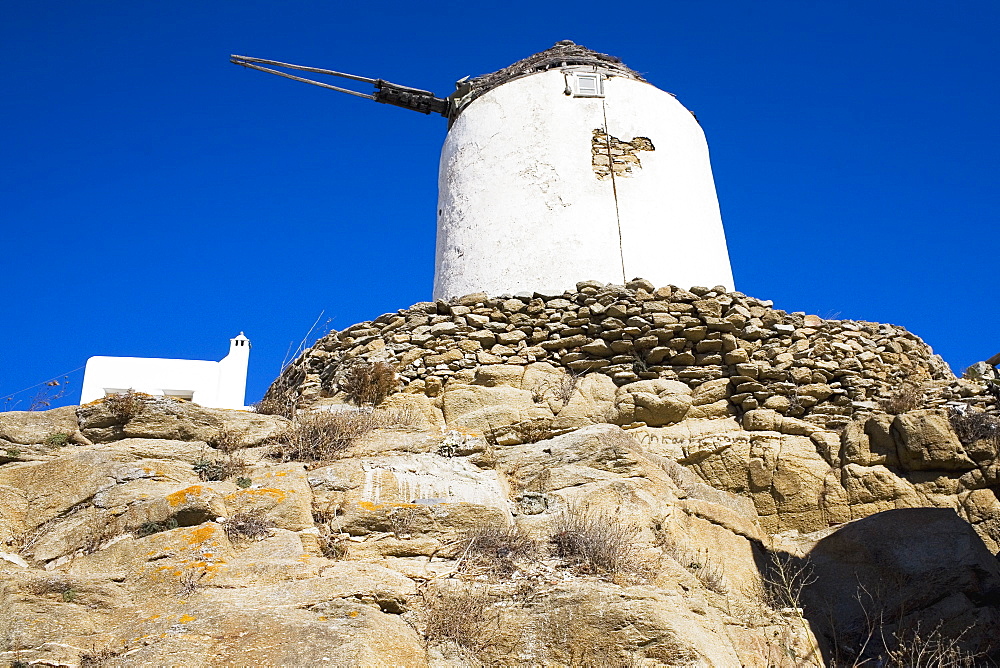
x=155, y=200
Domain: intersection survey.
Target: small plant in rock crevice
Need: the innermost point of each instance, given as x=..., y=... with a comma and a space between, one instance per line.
x=595, y=542
x=248, y=525
x=190, y=582
x=368, y=384
x=58, y=439
x=149, y=528
x=125, y=405
x=701, y=563
x=222, y=468
x=497, y=549
x=322, y=435
x=96, y=658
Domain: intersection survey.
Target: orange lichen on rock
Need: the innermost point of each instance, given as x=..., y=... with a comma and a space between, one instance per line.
x=201, y=534
x=368, y=505
x=179, y=497
x=278, y=495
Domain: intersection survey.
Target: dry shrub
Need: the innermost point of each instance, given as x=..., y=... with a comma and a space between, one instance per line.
x=248, y=525
x=701, y=563
x=560, y=389
x=971, y=426
x=908, y=397
x=321, y=436
x=229, y=439
x=784, y=577
x=125, y=405
x=915, y=649
x=466, y=617
x=282, y=404
x=221, y=468
x=369, y=384
x=190, y=582
x=333, y=546
x=496, y=549
x=595, y=542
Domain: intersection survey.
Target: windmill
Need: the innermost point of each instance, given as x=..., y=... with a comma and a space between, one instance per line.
x=565, y=166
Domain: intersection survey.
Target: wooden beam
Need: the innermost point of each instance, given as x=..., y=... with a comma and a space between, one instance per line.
x=995, y=360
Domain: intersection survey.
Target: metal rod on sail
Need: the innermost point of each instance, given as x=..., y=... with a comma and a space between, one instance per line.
x=240, y=60
x=386, y=92
x=246, y=63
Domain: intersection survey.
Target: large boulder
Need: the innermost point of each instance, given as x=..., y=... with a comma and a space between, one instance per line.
x=928, y=443
x=56, y=426
x=164, y=418
x=655, y=402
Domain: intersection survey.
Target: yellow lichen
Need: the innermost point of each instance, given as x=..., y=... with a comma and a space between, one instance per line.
x=181, y=496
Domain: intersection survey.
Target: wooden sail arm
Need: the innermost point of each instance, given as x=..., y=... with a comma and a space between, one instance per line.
x=385, y=92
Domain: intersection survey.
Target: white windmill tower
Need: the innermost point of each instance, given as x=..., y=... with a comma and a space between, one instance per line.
x=565, y=166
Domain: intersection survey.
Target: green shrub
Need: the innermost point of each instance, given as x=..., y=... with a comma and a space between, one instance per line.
x=149, y=528
x=58, y=439
x=220, y=469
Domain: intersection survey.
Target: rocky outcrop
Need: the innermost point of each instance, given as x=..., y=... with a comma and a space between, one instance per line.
x=611, y=476
x=423, y=544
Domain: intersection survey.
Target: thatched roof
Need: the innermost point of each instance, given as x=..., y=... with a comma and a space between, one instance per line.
x=564, y=53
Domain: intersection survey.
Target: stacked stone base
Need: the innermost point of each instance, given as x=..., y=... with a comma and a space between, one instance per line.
x=821, y=371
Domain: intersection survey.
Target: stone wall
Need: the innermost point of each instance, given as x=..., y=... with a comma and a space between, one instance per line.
x=802, y=366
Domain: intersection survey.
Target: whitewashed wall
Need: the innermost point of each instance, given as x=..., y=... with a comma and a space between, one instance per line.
x=521, y=209
x=214, y=384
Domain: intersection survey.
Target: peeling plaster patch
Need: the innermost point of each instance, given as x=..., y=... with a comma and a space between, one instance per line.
x=612, y=154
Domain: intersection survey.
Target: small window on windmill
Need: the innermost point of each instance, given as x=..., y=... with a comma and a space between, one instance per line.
x=588, y=84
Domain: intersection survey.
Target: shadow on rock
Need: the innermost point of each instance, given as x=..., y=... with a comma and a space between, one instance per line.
x=901, y=583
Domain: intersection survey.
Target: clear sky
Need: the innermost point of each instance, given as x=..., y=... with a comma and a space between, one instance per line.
x=156, y=200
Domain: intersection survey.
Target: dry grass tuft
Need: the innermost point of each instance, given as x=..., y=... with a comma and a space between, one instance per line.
x=369, y=384
x=465, y=617
x=322, y=435
x=701, y=563
x=496, y=549
x=971, y=426
x=229, y=440
x=222, y=468
x=595, y=542
x=248, y=525
x=907, y=398
x=125, y=405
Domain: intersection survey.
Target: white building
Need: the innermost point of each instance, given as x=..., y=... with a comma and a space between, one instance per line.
x=219, y=384
x=568, y=166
